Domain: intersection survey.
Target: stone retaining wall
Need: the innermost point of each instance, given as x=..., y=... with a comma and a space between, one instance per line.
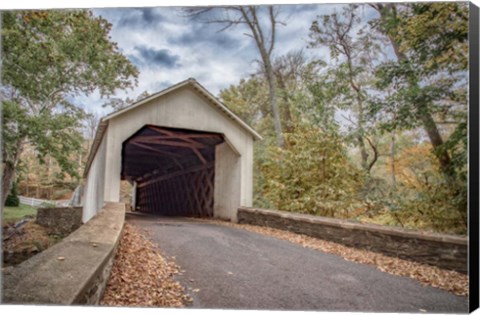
x=444, y=251
x=72, y=272
x=60, y=221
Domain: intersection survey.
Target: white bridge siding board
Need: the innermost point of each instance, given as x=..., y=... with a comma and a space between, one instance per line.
x=227, y=180
x=94, y=197
x=185, y=108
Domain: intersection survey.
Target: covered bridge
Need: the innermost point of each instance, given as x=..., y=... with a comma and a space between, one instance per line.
x=184, y=152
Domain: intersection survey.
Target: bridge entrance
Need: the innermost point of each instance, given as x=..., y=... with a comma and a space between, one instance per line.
x=181, y=148
x=172, y=170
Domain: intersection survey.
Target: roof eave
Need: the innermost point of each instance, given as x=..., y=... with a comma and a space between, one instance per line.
x=97, y=140
x=194, y=83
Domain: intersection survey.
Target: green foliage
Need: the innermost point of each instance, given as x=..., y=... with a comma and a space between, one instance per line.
x=13, y=128
x=311, y=175
x=429, y=76
x=435, y=35
x=48, y=58
x=386, y=103
x=248, y=99
x=49, y=54
x=348, y=78
x=434, y=207
x=12, y=199
x=422, y=199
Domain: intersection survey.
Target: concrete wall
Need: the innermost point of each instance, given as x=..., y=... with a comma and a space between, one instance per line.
x=94, y=191
x=182, y=108
x=61, y=221
x=77, y=279
x=444, y=251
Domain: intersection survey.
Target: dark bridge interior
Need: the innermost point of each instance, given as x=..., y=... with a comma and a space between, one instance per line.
x=173, y=169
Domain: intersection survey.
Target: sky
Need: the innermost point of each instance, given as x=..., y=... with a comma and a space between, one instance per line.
x=168, y=47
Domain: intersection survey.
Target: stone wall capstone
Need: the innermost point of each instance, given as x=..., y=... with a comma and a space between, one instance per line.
x=441, y=250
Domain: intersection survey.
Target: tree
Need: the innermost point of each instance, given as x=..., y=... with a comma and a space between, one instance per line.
x=248, y=100
x=48, y=58
x=91, y=122
x=293, y=74
x=118, y=103
x=429, y=72
x=354, y=52
x=264, y=37
x=429, y=78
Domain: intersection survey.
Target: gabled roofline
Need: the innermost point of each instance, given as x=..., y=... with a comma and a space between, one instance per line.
x=197, y=86
x=103, y=124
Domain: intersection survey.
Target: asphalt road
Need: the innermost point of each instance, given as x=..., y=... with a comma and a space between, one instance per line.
x=237, y=269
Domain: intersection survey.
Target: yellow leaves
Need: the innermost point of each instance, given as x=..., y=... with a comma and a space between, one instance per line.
x=312, y=174
x=413, y=163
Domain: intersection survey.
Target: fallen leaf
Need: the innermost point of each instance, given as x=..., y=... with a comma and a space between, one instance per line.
x=140, y=276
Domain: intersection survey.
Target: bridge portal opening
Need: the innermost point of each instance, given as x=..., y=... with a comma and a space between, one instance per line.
x=172, y=170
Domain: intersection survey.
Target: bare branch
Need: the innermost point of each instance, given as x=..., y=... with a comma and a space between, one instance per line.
x=375, y=153
x=272, y=25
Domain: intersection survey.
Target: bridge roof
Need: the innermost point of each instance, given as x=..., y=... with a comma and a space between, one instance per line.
x=197, y=87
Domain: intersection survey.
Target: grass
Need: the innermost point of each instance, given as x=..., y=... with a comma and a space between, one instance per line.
x=12, y=214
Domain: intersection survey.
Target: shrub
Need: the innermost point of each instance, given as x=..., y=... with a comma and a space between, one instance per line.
x=12, y=199
x=312, y=174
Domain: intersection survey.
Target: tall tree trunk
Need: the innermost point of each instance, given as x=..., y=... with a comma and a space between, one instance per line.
x=265, y=54
x=264, y=41
x=392, y=160
x=7, y=179
x=422, y=111
x=8, y=175
x=272, y=97
x=437, y=142
x=288, y=119
x=360, y=130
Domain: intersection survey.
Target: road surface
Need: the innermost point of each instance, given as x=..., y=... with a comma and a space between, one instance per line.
x=237, y=269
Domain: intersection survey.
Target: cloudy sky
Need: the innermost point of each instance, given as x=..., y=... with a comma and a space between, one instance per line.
x=168, y=47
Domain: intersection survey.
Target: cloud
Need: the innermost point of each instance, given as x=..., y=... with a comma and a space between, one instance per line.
x=168, y=47
x=149, y=56
x=206, y=36
x=140, y=17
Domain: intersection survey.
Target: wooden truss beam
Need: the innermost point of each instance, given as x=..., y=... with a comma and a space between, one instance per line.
x=171, y=143
x=174, y=174
x=191, y=141
x=140, y=145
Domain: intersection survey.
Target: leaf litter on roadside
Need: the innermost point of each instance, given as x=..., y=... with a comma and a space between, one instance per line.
x=448, y=280
x=140, y=276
